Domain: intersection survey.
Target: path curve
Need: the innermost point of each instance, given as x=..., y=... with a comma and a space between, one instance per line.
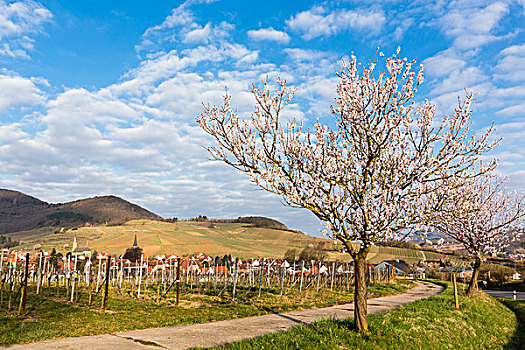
x=228, y=331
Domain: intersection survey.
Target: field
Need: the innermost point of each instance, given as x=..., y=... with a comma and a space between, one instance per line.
x=49, y=316
x=481, y=322
x=183, y=238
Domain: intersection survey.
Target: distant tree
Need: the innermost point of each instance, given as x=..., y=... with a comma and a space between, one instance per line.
x=311, y=252
x=499, y=273
x=53, y=258
x=200, y=218
x=290, y=255
x=480, y=215
x=133, y=254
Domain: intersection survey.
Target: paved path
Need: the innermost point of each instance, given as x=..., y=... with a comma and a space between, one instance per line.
x=222, y=332
x=504, y=293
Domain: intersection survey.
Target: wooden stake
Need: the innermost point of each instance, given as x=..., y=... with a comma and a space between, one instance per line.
x=178, y=280
x=235, y=279
x=333, y=273
x=74, y=279
x=260, y=278
x=24, y=295
x=140, y=274
x=39, y=273
x=282, y=277
x=107, y=284
x=301, y=285
x=346, y=273
x=455, y=290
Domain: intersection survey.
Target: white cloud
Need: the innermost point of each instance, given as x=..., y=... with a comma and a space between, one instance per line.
x=511, y=66
x=269, y=34
x=306, y=55
x=19, y=20
x=181, y=27
x=18, y=91
x=317, y=22
x=472, y=24
x=443, y=64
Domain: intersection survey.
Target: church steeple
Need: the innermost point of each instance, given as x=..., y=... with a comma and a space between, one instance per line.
x=135, y=241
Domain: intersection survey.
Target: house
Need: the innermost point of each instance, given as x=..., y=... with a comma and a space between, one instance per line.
x=81, y=253
x=401, y=267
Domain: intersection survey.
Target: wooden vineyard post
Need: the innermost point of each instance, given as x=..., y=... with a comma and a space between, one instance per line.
x=235, y=272
x=346, y=273
x=24, y=295
x=318, y=274
x=39, y=276
x=74, y=279
x=260, y=278
x=283, y=267
x=455, y=291
x=98, y=273
x=106, y=289
x=13, y=275
x=333, y=273
x=214, y=275
x=140, y=275
x=302, y=274
x=87, y=271
x=178, y=280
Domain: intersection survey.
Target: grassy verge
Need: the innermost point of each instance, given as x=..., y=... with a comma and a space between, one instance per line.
x=480, y=323
x=518, y=307
x=51, y=317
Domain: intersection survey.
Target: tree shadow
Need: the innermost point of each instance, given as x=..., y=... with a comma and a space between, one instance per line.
x=518, y=338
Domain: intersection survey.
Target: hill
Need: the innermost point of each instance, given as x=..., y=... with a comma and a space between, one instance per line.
x=181, y=238
x=245, y=240
x=21, y=212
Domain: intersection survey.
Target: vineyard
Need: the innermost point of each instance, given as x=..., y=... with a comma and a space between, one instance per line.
x=166, y=292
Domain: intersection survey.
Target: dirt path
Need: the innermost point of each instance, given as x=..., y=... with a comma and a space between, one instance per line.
x=222, y=332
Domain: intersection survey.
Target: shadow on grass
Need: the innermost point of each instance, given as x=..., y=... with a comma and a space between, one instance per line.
x=518, y=307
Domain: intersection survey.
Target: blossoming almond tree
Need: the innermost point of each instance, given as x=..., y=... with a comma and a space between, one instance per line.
x=364, y=173
x=480, y=215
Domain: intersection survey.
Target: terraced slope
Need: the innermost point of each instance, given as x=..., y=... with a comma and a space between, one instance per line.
x=181, y=238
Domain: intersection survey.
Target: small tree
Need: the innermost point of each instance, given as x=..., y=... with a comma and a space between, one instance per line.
x=480, y=215
x=53, y=258
x=133, y=254
x=364, y=172
x=290, y=255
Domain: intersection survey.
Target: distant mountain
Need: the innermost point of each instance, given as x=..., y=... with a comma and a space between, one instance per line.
x=19, y=212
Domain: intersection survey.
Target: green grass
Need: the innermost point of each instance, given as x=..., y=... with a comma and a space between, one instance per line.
x=481, y=322
x=49, y=317
x=518, y=307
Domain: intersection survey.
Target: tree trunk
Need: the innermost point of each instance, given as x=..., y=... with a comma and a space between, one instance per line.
x=475, y=274
x=360, y=294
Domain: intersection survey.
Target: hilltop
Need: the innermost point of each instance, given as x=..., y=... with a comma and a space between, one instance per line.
x=21, y=212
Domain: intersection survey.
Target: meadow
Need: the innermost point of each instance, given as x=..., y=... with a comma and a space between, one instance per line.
x=481, y=322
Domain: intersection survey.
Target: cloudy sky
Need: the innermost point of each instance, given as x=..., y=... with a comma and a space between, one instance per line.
x=100, y=97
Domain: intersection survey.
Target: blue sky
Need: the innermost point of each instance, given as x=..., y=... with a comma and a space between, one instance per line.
x=100, y=97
